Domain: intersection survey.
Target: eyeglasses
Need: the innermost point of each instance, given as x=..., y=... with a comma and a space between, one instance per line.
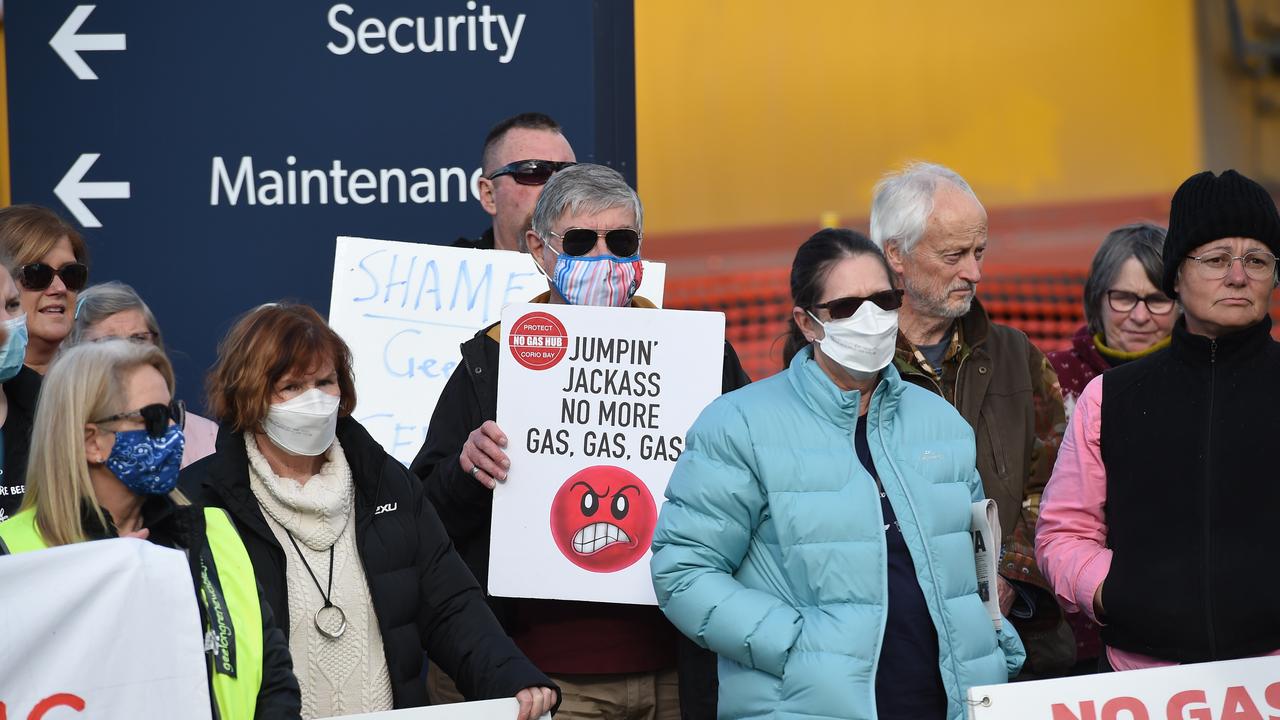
x=1122, y=302
x=154, y=417
x=530, y=172
x=39, y=276
x=844, y=307
x=138, y=337
x=1258, y=264
x=623, y=242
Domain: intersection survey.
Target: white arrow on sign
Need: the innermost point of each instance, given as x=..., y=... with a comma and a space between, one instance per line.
x=68, y=44
x=72, y=192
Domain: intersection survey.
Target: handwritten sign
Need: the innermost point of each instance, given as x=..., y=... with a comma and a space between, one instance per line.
x=404, y=309
x=504, y=709
x=108, y=629
x=595, y=403
x=1231, y=690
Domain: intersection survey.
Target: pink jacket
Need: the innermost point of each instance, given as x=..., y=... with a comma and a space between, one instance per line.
x=1071, y=537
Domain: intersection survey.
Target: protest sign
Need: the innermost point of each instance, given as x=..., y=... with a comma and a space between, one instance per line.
x=1230, y=690
x=595, y=403
x=504, y=709
x=404, y=308
x=109, y=629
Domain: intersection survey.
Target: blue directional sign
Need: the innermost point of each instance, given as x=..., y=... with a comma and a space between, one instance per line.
x=212, y=151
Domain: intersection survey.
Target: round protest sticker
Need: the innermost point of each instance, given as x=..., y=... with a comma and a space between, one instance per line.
x=603, y=518
x=538, y=340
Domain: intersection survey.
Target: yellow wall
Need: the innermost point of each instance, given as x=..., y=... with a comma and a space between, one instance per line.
x=760, y=112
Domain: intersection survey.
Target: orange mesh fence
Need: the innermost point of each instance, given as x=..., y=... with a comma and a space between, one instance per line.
x=1045, y=304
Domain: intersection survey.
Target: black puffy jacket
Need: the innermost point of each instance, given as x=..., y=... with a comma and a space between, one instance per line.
x=423, y=594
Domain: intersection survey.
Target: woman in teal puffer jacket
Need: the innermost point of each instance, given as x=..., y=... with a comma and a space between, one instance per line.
x=816, y=533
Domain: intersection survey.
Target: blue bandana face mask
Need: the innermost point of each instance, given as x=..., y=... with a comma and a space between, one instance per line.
x=147, y=465
x=14, y=350
x=601, y=281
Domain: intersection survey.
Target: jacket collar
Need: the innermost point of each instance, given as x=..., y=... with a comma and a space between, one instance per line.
x=975, y=326
x=1232, y=348
x=229, y=467
x=1083, y=344
x=837, y=406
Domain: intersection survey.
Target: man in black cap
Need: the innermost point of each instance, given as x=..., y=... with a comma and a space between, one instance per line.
x=1159, y=518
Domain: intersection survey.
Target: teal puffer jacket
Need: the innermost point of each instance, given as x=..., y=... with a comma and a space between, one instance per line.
x=771, y=551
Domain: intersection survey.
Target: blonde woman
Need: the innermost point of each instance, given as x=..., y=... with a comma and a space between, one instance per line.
x=106, y=447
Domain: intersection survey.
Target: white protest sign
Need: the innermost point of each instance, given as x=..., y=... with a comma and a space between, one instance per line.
x=404, y=308
x=595, y=403
x=504, y=709
x=1231, y=690
x=109, y=629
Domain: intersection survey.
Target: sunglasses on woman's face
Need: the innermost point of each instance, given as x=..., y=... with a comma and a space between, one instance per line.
x=623, y=242
x=844, y=307
x=39, y=276
x=530, y=172
x=155, y=418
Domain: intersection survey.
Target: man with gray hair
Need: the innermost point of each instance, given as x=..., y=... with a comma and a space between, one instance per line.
x=933, y=231
x=610, y=661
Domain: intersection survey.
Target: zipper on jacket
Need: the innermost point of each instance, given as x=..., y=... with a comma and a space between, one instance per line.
x=1207, y=555
x=937, y=595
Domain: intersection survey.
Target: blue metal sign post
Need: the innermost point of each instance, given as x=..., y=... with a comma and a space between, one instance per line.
x=213, y=151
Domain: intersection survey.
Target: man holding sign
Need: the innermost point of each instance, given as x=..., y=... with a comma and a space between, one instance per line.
x=609, y=660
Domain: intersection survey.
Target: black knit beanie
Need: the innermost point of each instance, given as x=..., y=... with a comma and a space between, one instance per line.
x=1207, y=208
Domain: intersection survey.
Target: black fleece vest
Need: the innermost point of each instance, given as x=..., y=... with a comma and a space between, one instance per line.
x=1188, y=439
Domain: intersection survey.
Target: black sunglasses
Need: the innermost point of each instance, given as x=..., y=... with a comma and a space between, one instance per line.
x=154, y=417
x=623, y=242
x=39, y=276
x=530, y=172
x=844, y=307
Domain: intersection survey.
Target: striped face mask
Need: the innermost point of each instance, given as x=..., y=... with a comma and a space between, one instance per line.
x=602, y=280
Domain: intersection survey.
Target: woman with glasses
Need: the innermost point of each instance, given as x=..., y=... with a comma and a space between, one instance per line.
x=49, y=269
x=115, y=310
x=108, y=438
x=1158, y=520
x=1127, y=317
x=816, y=530
x=350, y=555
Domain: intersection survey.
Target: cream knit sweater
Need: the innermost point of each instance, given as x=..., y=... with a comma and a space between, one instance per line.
x=341, y=676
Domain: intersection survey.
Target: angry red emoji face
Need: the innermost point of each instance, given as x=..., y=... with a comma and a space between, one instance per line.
x=602, y=518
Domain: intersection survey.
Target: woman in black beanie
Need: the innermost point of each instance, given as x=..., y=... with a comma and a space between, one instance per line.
x=1158, y=518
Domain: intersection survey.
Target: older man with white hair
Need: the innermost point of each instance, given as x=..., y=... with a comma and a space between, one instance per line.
x=933, y=231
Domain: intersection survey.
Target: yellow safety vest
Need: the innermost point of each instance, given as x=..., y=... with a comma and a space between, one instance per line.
x=235, y=681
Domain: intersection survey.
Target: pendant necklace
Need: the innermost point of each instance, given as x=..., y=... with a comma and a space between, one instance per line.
x=329, y=610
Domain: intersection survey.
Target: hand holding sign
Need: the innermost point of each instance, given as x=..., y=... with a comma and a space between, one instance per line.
x=482, y=454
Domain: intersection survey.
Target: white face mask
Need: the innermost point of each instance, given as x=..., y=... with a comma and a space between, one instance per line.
x=862, y=343
x=303, y=425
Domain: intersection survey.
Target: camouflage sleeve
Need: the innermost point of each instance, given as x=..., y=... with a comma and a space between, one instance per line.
x=1050, y=423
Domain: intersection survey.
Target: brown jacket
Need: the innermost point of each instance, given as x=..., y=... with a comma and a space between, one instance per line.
x=1008, y=392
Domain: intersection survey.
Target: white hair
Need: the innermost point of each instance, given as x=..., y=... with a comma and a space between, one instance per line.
x=903, y=202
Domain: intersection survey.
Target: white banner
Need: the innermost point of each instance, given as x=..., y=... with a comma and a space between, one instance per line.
x=1231, y=690
x=105, y=629
x=505, y=709
x=595, y=403
x=404, y=308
